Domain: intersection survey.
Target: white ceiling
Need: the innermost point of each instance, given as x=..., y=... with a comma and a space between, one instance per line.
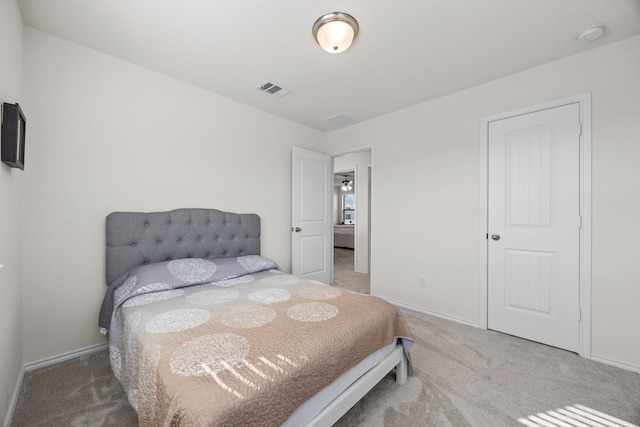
x=407, y=51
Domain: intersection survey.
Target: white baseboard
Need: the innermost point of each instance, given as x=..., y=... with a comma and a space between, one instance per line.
x=14, y=399
x=616, y=363
x=432, y=313
x=595, y=358
x=41, y=364
x=62, y=357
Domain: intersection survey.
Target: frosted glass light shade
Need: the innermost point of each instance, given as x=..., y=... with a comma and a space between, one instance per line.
x=335, y=31
x=335, y=36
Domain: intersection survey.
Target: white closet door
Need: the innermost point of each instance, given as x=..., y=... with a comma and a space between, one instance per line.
x=533, y=223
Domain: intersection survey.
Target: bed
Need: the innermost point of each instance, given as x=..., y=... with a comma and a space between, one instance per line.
x=205, y=331
x=343, y=235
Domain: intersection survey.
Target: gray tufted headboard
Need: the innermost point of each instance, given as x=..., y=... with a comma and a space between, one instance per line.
x=136, y=238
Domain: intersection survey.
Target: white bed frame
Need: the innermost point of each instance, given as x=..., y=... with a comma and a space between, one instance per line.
x=356, y=391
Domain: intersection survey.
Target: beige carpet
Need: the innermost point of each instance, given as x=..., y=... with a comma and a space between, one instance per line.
x=465, y=376
x=343, y=274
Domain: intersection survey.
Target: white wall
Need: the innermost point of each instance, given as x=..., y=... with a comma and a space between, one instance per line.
x=359, y=162
x=106, y=135
x=10, y=197
x=428, y=162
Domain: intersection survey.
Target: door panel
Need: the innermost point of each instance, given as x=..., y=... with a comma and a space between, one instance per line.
x=314, y=260
x=529, y=155
x=311, y=244
x=528, y=281
x=533, y=222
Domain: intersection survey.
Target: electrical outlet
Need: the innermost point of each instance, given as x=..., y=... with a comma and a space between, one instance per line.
x=421, y=282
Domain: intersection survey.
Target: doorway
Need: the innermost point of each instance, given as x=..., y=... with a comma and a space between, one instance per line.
x=351, y=219
x=535, y=243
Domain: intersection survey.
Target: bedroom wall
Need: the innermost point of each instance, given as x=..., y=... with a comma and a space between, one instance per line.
x=428, y=165
x=10, y=197
x=106, y=135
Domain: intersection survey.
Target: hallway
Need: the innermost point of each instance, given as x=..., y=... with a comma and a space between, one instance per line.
x=343, y=274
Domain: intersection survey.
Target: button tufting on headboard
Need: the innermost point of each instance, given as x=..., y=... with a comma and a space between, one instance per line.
x=134, y=238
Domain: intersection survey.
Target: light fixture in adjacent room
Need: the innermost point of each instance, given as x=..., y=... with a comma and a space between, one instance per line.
x=346, y=184
x=335, y=31
x=591, y=33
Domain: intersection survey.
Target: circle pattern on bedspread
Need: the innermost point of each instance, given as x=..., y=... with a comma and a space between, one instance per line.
x=233, y=282
x=153, y=297
x=253, y=263
x=248, y=316
x=116, y=361
x=152, y=287
x=132, y=397
x=212, y=297
x=208, y=354
x=147, y=382
x=125, y=289
x=132, y=323
x=319, y=292
x=177, y=320
x=269, y=296
x=280, y=280
x=312, y=311
x=192, y=269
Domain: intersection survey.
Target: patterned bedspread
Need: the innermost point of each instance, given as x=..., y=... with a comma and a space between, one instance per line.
x=235, y=341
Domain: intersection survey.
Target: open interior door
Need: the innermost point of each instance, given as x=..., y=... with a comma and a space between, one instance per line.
x=311, y=230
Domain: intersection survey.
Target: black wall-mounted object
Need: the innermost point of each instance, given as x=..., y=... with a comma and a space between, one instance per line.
x=14, y=125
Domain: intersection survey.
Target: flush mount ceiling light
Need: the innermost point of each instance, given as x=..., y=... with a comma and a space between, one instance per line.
x=335, y=31
x=591, y=33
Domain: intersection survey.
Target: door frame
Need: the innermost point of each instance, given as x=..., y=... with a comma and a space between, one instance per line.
x=584, y=102
x=354, y=150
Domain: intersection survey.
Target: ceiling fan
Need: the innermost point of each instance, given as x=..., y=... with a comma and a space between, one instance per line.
x=346, y=184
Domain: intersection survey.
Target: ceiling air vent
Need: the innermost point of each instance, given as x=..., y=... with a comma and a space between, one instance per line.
x=273, y=90
x=342, y=119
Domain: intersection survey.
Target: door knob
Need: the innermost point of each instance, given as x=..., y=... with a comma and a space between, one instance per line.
x=495, y=236
x=296, y=229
